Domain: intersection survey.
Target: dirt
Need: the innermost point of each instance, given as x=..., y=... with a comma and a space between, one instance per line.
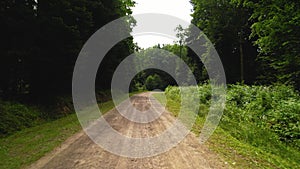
x=79, y=151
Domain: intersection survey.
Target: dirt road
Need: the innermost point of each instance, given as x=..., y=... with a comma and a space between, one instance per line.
x=80, y=151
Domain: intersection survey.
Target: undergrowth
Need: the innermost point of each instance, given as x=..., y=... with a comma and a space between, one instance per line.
x=261, y=124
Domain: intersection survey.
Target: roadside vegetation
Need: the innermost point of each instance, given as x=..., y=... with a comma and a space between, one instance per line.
x=258, y=43
x=259, y=127
x=26, y=135
x=28, y=145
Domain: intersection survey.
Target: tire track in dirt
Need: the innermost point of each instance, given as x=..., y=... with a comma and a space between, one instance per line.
x=80, y=151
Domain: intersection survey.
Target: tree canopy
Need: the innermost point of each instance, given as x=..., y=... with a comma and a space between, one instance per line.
x=40, y=41
x=258, y=41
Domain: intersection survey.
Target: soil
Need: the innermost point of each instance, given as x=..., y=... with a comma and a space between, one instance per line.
x=79, y=151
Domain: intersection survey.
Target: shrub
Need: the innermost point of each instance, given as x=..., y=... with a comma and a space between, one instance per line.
x=15, y=116
x=255, y=112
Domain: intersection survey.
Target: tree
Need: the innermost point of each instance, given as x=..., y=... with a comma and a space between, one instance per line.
x=40, y=41
x=18, y=27
x=276, y=33
x=153, y=82
x=63, y=28
x=226, y=25
x=155, y=56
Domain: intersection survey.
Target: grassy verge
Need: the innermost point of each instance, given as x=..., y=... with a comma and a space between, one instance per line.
x=28, y=145
x=250, y=152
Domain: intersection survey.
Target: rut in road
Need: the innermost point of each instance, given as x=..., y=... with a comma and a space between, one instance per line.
x=79, y=151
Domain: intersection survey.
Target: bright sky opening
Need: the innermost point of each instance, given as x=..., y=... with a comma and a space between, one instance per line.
x=178, y=8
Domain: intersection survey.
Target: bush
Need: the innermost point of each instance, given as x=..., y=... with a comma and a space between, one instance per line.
x=15, y=116
x=276, y=108
x=255, y=112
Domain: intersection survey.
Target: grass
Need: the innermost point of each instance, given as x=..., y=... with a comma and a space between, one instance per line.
x=15, y=117
x=28, y=145
x=239, y=153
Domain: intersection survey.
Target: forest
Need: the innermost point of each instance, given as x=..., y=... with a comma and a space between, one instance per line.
x=41, y=41
x=258, y=42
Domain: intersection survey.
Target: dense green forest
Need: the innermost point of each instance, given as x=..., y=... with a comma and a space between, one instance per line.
x=40, y=41
x=260, y=36
x=258, y=42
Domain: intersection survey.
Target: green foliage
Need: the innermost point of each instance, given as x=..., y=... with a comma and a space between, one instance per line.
x=153, y=82
x=274, y=108
x=272, y=25
x=173, y=93
x=276, y=33
x=40, y=41
x=21, y=149
x=172, y=57
x=266, y=117
x=160, y=56
x=138, y=87
x=227, y=26
x=15, y=116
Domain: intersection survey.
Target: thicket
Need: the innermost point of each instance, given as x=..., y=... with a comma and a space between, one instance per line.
x=264, y=116
x=15, y=116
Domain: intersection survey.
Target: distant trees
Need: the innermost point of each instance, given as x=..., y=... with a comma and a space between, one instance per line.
x=154, y=82
x=154, y=56
x=165, y=56
x=40, y=41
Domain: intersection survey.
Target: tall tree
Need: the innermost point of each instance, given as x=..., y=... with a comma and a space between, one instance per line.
x=40, y=41
x=18, y=27
x=276, y=31
x=61, y=28
x=226, y=24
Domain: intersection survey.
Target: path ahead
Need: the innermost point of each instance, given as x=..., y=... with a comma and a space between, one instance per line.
x=79, y=151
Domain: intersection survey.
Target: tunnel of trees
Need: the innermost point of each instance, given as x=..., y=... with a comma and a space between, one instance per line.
x=258, y=43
